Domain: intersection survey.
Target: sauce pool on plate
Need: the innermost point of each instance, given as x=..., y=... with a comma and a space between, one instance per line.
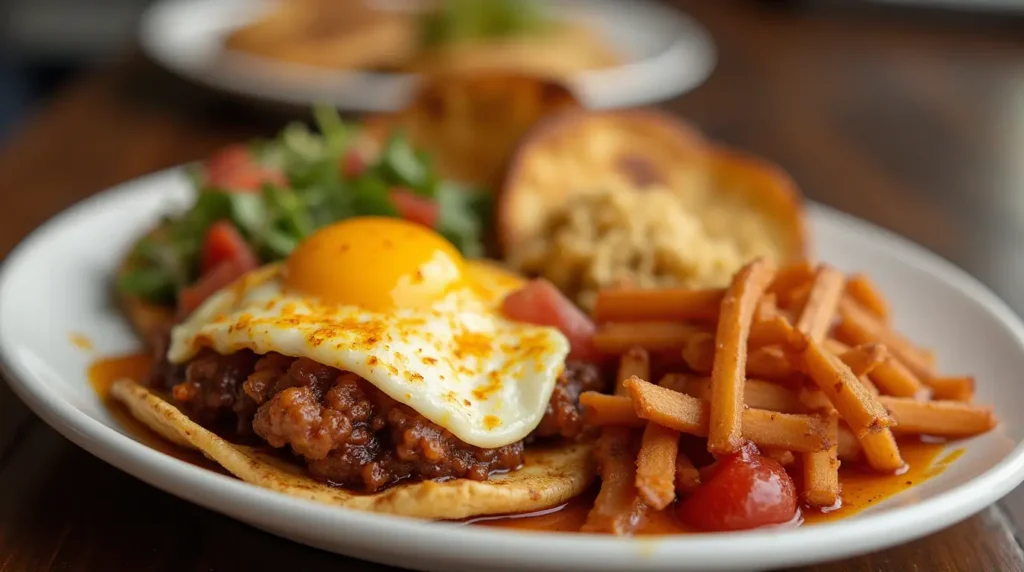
x=861, y=489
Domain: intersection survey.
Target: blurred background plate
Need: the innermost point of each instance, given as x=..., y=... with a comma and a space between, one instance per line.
x=666, y=53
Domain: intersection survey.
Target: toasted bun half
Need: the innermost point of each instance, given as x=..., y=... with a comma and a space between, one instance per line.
x=588, y=191
x=471, y=123
x=549, y=477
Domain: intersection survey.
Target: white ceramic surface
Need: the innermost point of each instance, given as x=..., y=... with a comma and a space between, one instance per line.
x=58, y=282
x=667, y=52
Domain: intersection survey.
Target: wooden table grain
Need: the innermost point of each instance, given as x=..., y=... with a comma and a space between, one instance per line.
x=917, y=126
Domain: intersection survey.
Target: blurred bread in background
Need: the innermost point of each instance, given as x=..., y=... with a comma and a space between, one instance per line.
x=429, y=37
x=472, y=123
x=345, y=34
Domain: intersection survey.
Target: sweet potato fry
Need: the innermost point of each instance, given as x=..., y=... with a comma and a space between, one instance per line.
x=699, y=353
x=938, y=418
x=671, y=409
x=822, y=301
x=618, y=508
x=687, y=475
x=656, y=466
x=661, y=305
x=676, y=382
x=869, y=385
x=636, y=361
x=768, y=362
x=881, y=451
x=616, y=338
x=767, y=308
x=784, y=457
x=795, y=300
x=725, y=434
x=798, y=433
x=849, y=449
x=835, y=346
x=821, y=469
x=960, y=388
x=600, y=409
x=772, y=331
x=891, y=377
x=848, y=395
x=687, y=414
x=813, y=399
x=864, y=292
x=789, y=278
x=859, y=327
x=863, y=359
x=771, y=363
x=757, y=394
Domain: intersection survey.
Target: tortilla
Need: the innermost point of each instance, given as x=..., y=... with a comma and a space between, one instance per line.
x=549, y=477
x=471, y=123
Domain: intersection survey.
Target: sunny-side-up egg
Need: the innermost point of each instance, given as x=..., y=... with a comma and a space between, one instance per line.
x=396, y=304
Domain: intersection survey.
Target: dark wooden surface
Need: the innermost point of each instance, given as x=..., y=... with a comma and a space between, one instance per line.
x=914, y=122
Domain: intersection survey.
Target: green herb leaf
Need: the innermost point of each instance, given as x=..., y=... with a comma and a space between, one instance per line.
x=402, y=166
x=458, y=222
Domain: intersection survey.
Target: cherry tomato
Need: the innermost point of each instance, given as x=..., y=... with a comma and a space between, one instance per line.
x=539, y=302
x=352, y=164
x=235, y=169
x=739, y=492
x=414, y=208
x=190, y=297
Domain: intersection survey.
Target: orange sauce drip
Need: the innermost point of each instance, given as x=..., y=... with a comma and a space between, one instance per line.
x=104, y=372
x=80, y=341
x=861, y=489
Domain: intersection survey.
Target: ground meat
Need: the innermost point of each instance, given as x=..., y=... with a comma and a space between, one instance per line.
x=346, y=430
x=563, y=416
x=212, y=391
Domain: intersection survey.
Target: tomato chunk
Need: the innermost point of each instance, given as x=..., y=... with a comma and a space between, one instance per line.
x=224, y=242
x=740, y=492
x=226, y=272
x=414, y=208
x=235, y=169
x=353, y=164
x=539, y=302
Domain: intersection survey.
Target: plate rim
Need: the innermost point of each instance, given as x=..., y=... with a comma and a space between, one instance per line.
x=697, y=50
x=431, y=540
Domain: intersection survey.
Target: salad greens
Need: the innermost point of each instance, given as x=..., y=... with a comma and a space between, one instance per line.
x=467, y=20
x=314, y=191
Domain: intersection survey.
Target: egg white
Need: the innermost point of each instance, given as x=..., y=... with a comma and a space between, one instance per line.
x=459, y=363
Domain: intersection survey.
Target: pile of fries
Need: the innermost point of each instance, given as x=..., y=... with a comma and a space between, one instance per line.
x=801, y=361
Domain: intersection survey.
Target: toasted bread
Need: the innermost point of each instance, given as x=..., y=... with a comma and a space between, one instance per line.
x=331, y=34
x=471, y=124
x=658, y=175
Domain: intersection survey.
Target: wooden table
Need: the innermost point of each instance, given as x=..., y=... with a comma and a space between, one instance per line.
x=916, y=127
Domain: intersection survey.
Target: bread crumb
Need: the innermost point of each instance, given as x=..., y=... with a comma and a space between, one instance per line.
x=620, y=235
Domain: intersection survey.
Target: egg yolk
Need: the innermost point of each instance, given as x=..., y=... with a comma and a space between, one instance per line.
x=376, y=263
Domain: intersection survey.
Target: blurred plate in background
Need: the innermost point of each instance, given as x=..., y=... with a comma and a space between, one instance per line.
x=665, y=53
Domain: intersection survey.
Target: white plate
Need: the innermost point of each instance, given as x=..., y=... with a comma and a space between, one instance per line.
x=668, y=54
x=58, y=281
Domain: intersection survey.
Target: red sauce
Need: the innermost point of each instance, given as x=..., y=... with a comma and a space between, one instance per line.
x=861, y=489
